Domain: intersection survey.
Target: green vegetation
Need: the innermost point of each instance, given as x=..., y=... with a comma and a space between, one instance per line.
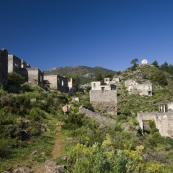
x=29, y=115
x=86, y=74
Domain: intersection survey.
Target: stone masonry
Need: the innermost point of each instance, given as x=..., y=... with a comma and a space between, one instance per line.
x=135, y=88
x=3, y=66
x=98, y=118
x=57, y=82
x=32, y=75
x=163, y=121
x=14, y=64
x=104, y=96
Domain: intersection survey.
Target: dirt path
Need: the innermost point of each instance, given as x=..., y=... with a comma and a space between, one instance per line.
x=57, y=149
x=59, y=143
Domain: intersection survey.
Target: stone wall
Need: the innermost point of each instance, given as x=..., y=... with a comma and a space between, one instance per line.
x=135, y=88
x=3, y=66
x=57, y=82
x=106, y=99
x=32, y=75
x=163, y=121
x=99, y=118
x=14, y=63
x=52, y=81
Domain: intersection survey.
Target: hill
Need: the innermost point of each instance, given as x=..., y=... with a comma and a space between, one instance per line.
x=86, y=74
x=162, y=90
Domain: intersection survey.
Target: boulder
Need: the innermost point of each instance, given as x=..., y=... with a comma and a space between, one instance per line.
x=53, y=167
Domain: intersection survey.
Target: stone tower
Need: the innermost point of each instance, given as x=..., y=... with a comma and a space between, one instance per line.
x=3, y=66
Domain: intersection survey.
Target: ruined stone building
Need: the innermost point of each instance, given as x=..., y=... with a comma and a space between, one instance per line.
x=104, y=96
x=166, y=107
x=112, y=81
x=32, y=75
x=57, y=82
x=3, y=66
x=135, y=88
x=163, y=119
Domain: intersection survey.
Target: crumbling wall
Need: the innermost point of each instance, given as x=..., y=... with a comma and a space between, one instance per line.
x=57, y=82
x=3, y=66
x=135, y=88
x=63, y=84
x=32, y=75
x=52, y=81
x=14, y=63
x=99, y=118
x=106, y=99
x=163, y=121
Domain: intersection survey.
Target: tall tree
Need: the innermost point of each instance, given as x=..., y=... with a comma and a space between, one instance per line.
x=155, y=63
x=164, y=67
x=134, y=61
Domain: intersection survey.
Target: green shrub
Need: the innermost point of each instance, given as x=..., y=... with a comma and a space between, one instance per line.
x=122, y=118
x=36, y=114
x=15, y=79
x=73, y=121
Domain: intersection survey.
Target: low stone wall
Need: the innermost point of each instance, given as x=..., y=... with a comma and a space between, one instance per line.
x=163, y=121
x=99, y=118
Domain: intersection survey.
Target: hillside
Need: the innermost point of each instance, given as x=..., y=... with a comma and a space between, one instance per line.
x=85, y=73
x=162, y=92
x=34, y=130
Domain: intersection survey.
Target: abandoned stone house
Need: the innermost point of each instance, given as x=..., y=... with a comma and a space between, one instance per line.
x=32, y=75
x=166, y=107
x=57, y=82
x=3, y=66
x=163, y=119
x=135, y=88
x=104, y=96
x=112, y=81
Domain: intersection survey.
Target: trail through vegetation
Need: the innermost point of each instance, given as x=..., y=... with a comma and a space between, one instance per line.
x=59, y=143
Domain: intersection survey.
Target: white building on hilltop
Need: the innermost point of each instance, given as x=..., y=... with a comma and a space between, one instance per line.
x=144, y=61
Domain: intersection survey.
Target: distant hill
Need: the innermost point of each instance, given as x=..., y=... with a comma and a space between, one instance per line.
x=86, y=74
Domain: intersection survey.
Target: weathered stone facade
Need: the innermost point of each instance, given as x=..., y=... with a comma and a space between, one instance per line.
x=14, y=64
x=163, y=121
x=3, y=66
x=57, y=82
x=166, y=107
x=104, y=96
x=32, y=75
x=135, y=88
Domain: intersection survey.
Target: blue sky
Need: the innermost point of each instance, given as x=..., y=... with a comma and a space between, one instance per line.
x=107, y=33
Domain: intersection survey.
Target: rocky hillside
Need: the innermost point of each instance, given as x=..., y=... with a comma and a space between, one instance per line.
x=162, y=92
x=85, y=73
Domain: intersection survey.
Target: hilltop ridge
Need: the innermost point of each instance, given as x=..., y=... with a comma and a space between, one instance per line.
x=85, y=73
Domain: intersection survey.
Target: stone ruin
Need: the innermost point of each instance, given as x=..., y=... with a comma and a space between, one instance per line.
x=57, y=82
x=34, y=76
x=163, y=120
x=135, y=88
x=104, y=95
x=3, y=66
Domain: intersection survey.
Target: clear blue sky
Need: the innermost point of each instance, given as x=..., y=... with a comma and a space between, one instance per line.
x=107, y=33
